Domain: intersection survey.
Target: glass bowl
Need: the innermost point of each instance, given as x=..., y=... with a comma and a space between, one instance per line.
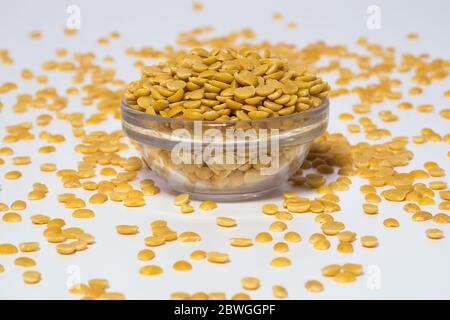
x=229, y=160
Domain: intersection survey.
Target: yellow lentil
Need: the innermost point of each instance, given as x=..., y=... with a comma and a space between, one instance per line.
x=65, y=249
x=24, y=262
x=411, y=208
x=182, y=265
x=344, y=277
x=199, y=296
x=31, y=277
x=240, y=296
x=12, y=217
x=189, y=237
x=47, y=167
x=127, y=229
x=181, y=199
x=198, y=255
x=441, y=218
x=332, y=228
x=422, y=216
x=369, y=241
x=145, y=255
x=13, y=175
x=283, y=215
x=346, y=236
x=270, y=208
x=75, y=203
x=292, y=236
x=3, y=207
x=345, y=247
x=263, y=237
x=277, y=226
x=154, y=241
x=208, y=205
x=314, y=286
x=225, y=222
x=150, y=270
x=7, y=248
x=315, y=237
x=331, y=270
x=216, y=296
x=354, y=268
x=98, y=198
x=186, y=208
x=217, y=257
x=370, y=208
x=241, y=242
x=180, y=296
x=280, y=262
x=19, y=205
x=83, y=213
x=391, y=223
x=279, y=292
x=434, y=233
x=250, y=283
x=39, y=219
x=21, y=160
x=29, y=246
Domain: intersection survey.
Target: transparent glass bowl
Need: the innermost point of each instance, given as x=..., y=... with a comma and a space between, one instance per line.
x=225, y=161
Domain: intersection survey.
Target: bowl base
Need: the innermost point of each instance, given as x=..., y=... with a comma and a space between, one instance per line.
x=232, y=197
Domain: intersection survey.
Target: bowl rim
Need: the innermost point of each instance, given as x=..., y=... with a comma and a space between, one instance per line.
x=323, y=107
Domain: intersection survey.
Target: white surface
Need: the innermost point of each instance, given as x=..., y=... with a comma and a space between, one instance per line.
x=406, y=264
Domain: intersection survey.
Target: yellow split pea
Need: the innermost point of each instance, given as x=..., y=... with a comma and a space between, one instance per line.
x=198, y=255
x=225, y=222
x=7, y=248
x=189, y=237
x=12, y=217
x=29, y=246
x=208, y=205
x=182, y=265
x=217, y=257
x=434, y=233
x=145, y=255
x=279, y=292
x=369, y=241
x=314, y=286
x=280, y=262
x=241, y=242
x=24, y=262
x=127, y=229
x=150, y=270
x=31, y=277
x=250, y=283
x=263, y=237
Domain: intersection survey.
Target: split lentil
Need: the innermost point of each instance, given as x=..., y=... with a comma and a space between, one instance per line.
x=434, y=233
x=280, y=262
x=24, y=262
x=250, y=283
x=314, y=286
x=279, y=292
x=369, y=241
x=150, y=270
x=31, y=277
x=217, y=257
x=127, y=229
x=145, y=255
x=182, y=266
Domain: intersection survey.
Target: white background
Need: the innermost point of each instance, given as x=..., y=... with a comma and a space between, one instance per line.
x=405, y=265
